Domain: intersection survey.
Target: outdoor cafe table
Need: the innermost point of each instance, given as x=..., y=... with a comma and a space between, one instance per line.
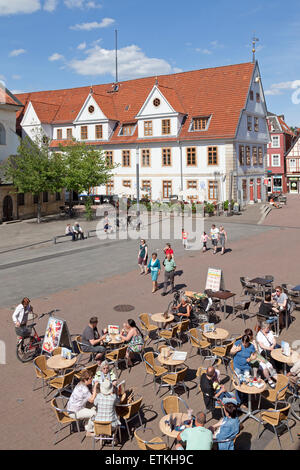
x=161, y=320
x=223, y=295
x=115, y=340
x=58, y=362
x=286, y=360
x=260, y=281
x=168, y=361
x=244, y=388
x=218, y=335
x=165, y=427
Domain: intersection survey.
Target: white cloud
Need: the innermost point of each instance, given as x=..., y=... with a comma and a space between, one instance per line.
x=55, y=57
x=132, y=63
x=17, y=92
x=13, y=7
x=277, y=88
x=82, y=4
x=16, y=77
x=93, y=25
x=203, y=51
x=17, y=52
x=50, y=5
x=81, y=46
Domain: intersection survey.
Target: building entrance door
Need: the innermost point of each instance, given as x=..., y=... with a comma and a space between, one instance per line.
x=7, y=209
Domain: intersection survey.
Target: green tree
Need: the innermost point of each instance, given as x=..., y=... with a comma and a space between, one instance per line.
x=34, y=170
x=85, y=167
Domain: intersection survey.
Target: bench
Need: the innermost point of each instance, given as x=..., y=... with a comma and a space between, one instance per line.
x=67, y=237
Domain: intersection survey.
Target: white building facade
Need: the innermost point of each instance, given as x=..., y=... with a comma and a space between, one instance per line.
x=203, y=131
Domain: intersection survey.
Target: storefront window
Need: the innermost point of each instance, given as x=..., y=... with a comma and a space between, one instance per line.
x=277, y=184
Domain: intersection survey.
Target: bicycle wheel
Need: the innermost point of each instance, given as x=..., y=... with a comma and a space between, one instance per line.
x=25, y=351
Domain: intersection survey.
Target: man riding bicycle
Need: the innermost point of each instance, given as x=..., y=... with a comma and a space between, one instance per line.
x=20, y=318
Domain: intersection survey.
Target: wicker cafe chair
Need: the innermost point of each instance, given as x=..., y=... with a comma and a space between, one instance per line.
x=152, y=368
x=129, y=412
x=63, y=419
x=197, y=341
x=62, y=382
x=116, y=356
x=104, y=432
x=279, y=392
x=171, y=404
x=42, y=372
x=275, y=418
x=82, y=353
x=173, y=380
x=156, y=443
x=223, y=352
x=147, y=326
x=170, y=335
x=91, y=369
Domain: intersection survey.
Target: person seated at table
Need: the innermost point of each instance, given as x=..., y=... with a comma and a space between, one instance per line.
x=135, y=338
x=92, y=341
x=184, y=310
x=80, y=396
x=294, y=375
x=280, y=299
x=266, y=308
x=261, y=363
x=105, y=373
x=213, y=390
x=105, y=402
x=266, y=343
x=196, y=437
x=69, y=232
x=243, y=352
x=78, y=231
x=228, y=427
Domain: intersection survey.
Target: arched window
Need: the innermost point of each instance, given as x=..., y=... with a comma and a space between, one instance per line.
x=2, y=135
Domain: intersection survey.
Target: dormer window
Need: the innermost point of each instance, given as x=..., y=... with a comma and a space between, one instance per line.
x=199, y=123
x=127, y=129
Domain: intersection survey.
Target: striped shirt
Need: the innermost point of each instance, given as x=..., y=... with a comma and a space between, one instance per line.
x=106, y=408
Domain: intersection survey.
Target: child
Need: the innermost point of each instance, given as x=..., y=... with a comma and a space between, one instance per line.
x=204, y=239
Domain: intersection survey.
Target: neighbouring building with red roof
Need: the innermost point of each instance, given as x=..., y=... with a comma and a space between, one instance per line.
x=204, y=131
x=15, y=205
x=281, y=139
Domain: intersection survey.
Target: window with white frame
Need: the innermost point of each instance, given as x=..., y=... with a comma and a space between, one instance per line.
x=276, y=160
x=292, y=163
x=275, y=141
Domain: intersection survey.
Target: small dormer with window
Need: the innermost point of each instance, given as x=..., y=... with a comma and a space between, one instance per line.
x=199, y=123
x=127, y=129
x=161, y=114
x=95, y=121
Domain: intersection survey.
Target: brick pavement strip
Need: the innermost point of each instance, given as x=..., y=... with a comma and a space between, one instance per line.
x=27, y=421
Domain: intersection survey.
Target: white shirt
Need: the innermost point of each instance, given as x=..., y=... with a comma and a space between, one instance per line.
x=21, y=314
x=79, y=397
x=76, y=228
x=265, y=339
x=68, y=230
x=214, y=233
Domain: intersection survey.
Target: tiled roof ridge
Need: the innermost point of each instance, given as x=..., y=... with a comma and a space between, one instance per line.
x=140, y=79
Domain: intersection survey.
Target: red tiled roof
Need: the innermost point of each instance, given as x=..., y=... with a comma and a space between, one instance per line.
x=218, y=92
x=285, y=127
x=6, y=97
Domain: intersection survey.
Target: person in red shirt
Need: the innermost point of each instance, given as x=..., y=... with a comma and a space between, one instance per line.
x=168, y=250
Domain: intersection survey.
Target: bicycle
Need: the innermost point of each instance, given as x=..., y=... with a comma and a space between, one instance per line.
x=29, y=347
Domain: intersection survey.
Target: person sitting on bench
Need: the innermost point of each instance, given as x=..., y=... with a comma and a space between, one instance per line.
x=78, y=231
x=69, y=232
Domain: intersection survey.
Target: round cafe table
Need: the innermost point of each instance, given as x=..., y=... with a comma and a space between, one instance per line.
x=218, y=335
x=286, y=360
x=169, y=362
x=115, y=341
x=161, y=320
x=165, y=427
x=244, y=388
x=58, y=362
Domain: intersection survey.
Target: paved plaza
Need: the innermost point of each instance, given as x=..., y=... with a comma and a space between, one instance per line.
x=91, y=277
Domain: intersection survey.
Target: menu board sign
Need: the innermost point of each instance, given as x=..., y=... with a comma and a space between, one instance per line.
x=214, y=280
x=57, y=334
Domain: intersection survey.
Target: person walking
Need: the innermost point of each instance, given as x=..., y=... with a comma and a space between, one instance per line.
x=168, y=250
x=143, y=256
x=222, y=239
x=204, y=239
x=214, y=236
x=154, y=268
x=170, y=267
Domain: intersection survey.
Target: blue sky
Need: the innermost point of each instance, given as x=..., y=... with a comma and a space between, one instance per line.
x=50, y=44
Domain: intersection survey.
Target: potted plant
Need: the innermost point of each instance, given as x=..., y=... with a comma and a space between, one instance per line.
x=209, y=209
